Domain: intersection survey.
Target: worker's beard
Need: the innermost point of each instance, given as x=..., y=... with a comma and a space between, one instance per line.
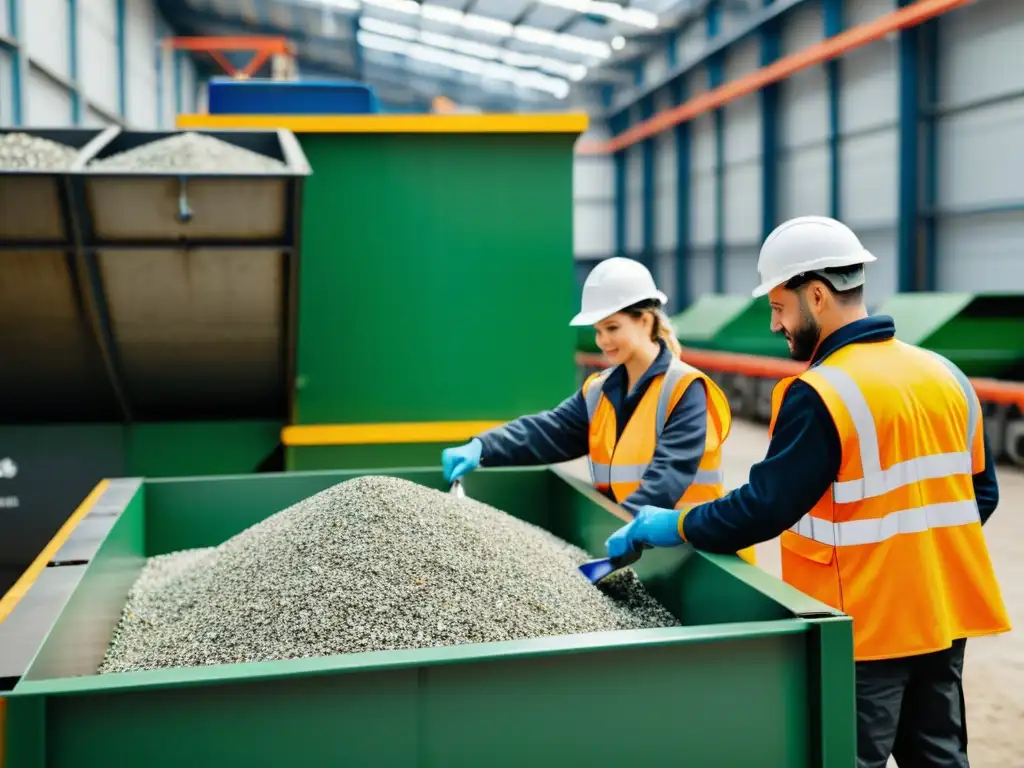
x=804, y=341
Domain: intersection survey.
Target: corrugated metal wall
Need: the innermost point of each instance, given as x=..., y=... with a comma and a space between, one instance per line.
x=803, y=158
x=868, y=147
x=932, y=189
x=72, y=71
x=594, y=201
x=743, y=170
x=980, y=148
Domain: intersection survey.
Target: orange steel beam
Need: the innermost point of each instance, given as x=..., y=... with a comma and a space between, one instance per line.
x=756, y=366
x=268, y=43
x=261, y=47
x=835, y=46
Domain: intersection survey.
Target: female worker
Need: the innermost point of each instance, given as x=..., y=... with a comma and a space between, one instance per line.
x=651, y=425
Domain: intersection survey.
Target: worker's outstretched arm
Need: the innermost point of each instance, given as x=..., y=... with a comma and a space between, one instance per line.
x=802, y=462
x=542, y=438
x=986, y=486
x=677, y=455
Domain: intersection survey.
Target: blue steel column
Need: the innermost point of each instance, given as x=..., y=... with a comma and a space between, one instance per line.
x=179, y=101
x=647, y=189
x=19, y=63
x=909, y=159
x=771, y=49
x=618, y=124
x=122, y=58
x=833, y=21
x=161, y=32
x=680, y=93
x=716, y=75
x=930, y=42
x=76, y=94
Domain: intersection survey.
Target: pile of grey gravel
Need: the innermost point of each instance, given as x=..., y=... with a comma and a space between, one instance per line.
x=190, y=152
x=374, y=563
x=24, y=152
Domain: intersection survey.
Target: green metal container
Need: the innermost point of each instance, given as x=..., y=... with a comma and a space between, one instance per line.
x=729, y=324
x=699, y=324
x=759, y=675
x=982, y=333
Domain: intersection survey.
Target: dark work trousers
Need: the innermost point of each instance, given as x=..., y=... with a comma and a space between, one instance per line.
x=913, y=708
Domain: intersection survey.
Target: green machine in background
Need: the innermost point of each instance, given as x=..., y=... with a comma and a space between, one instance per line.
x=729, y=323
x=753, y=654
x=982, y=333
x=435, y=280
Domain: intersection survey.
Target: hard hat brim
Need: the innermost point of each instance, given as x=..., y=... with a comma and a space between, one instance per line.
x=864, y=257
x=596, y=316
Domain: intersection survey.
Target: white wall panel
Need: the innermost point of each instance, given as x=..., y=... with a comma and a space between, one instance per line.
x=594, y=207
x=743, y=153
x=701, y=263
x=702, y=181
x=980, y=48
x=5, y=22
x=189, y=92
x=980, y=152
x=803, y=166
x=869, y=88
x=97, y=52
x=741, y=269
x=6, y=97
x=981, y=253
x=883, y=275
x=868, y=175
x=93, y=119
x=140, y=53
x=655, y=66
x=981, y=156
x=691, y=42
x=594, y=201
x=46, y=34
x=863, y=11
x=666, y=229
x=665, y=276
x=48, y=105
x=634, y=199
x=869, y=145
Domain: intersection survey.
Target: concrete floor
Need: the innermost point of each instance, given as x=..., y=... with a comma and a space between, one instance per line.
x=994, y=674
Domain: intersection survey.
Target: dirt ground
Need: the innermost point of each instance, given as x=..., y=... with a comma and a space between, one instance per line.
x=994, y=674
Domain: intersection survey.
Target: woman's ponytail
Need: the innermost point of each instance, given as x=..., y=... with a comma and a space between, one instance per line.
x=663, y=330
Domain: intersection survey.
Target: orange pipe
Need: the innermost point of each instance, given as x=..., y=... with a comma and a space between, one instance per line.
x=837, y=45
x=755, y=366
x=268, y=43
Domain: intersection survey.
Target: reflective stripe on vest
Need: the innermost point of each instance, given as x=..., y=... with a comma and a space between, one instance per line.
x=605, y=474
x=877, y=481
x=896, y=542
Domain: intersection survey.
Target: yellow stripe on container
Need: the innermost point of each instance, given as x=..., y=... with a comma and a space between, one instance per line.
x=556, y=123
x=376, y=434
x=28, y=578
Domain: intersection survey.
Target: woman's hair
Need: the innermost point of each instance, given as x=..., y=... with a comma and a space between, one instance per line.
x=662, y=328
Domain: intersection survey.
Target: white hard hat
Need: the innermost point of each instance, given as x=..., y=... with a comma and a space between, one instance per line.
x=809, y=244
x=615, y=284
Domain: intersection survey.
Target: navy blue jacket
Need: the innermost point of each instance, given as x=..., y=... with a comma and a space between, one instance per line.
x=563, y=434
x=802, y=462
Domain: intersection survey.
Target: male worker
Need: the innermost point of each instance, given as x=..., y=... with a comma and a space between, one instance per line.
x=878, y=479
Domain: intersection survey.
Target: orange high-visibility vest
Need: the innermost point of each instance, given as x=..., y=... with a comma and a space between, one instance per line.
x=619, y=466
x=896, y=542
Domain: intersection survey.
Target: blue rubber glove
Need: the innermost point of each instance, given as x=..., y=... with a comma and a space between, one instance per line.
x=653, y=526
x=460, y=461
